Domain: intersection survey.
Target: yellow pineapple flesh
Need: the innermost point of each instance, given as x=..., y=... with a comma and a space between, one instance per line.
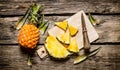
x=63, y=25
x=55, y=48
x=64, y=38
x=73, y=30
x=73, y=47
x=28, y=36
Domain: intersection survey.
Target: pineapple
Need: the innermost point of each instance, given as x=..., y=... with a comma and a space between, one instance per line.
x=28, y=36
x=29, y=33
x=55, y=48
x=61, y=45
x=30, y=26
x=73, y=47
x=64, y=38
x=63, y=25
x=73, y=30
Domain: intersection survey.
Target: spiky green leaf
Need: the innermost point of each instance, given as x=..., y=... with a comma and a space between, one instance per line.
x=81, y=58
x=36, y=8
x=92, y=19
x=95, y=51
x=34, y=15
x=29, y=63
x=22, y=21
x=44, y=28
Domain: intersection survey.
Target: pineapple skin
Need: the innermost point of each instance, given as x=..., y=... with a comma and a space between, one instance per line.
x=28, y=36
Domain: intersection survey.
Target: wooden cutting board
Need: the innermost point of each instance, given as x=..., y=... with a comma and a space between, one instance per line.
x=75, y=20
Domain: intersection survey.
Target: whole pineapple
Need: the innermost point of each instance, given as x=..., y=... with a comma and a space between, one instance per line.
x=28, y=36
x=29, y=33
x=30, y=26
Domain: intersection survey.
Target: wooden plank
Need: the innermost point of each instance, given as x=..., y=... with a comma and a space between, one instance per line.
x=16, y=1
x=12, y=58
x=108, y=30
x=9, y=9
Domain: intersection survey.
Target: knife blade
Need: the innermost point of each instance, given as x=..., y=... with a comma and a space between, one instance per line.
x=86, y=41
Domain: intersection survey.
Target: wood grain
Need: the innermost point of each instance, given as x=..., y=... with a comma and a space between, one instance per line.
x=12, y=58
x=16, y=1
x=54, y=8
x=107, y=11
x=108, y=30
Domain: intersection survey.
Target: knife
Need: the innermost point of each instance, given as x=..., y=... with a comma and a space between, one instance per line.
x=86, y=41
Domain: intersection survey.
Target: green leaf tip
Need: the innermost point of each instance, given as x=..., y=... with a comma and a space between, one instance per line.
x=80, y=59
x=36, y=8
x=92, y=19
x=44, y=28
x=83, y=57
x=34, y=15
x=42, y=22
x=95, y=51
x=29, y=63
x=22, y=21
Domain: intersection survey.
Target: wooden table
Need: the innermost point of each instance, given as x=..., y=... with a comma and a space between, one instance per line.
x=107, y=11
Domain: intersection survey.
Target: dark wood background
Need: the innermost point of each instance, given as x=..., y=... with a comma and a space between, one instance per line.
x=107, y=11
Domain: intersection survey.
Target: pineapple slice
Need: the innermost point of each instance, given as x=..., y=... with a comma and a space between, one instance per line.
x=63, y=25
x=73, y=47
x=60, y=38
x=73, y=30
x=64, y=38
x=55, y=48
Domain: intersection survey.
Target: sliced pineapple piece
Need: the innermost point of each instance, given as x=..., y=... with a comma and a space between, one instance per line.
x=55, y=48
x=73, y=47
x=60, y=38
x=64, y=38
x=73, y=30
x=63, y=25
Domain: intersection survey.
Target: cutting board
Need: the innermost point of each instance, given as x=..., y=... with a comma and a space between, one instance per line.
x=75, y=20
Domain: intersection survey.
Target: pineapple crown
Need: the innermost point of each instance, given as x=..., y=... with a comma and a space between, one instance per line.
x=33, y=15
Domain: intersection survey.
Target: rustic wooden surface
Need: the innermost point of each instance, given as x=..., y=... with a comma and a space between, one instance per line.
x=111, y=33
x=52, y=8
x=107, y=11
x=108, y=58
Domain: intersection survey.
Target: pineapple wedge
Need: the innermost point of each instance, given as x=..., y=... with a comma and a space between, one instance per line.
x=73, y=47
x=73, y=30
x=64, y=38
x=55, y=48
x=63, y=25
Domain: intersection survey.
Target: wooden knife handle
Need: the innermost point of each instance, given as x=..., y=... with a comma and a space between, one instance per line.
x=86, y=41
